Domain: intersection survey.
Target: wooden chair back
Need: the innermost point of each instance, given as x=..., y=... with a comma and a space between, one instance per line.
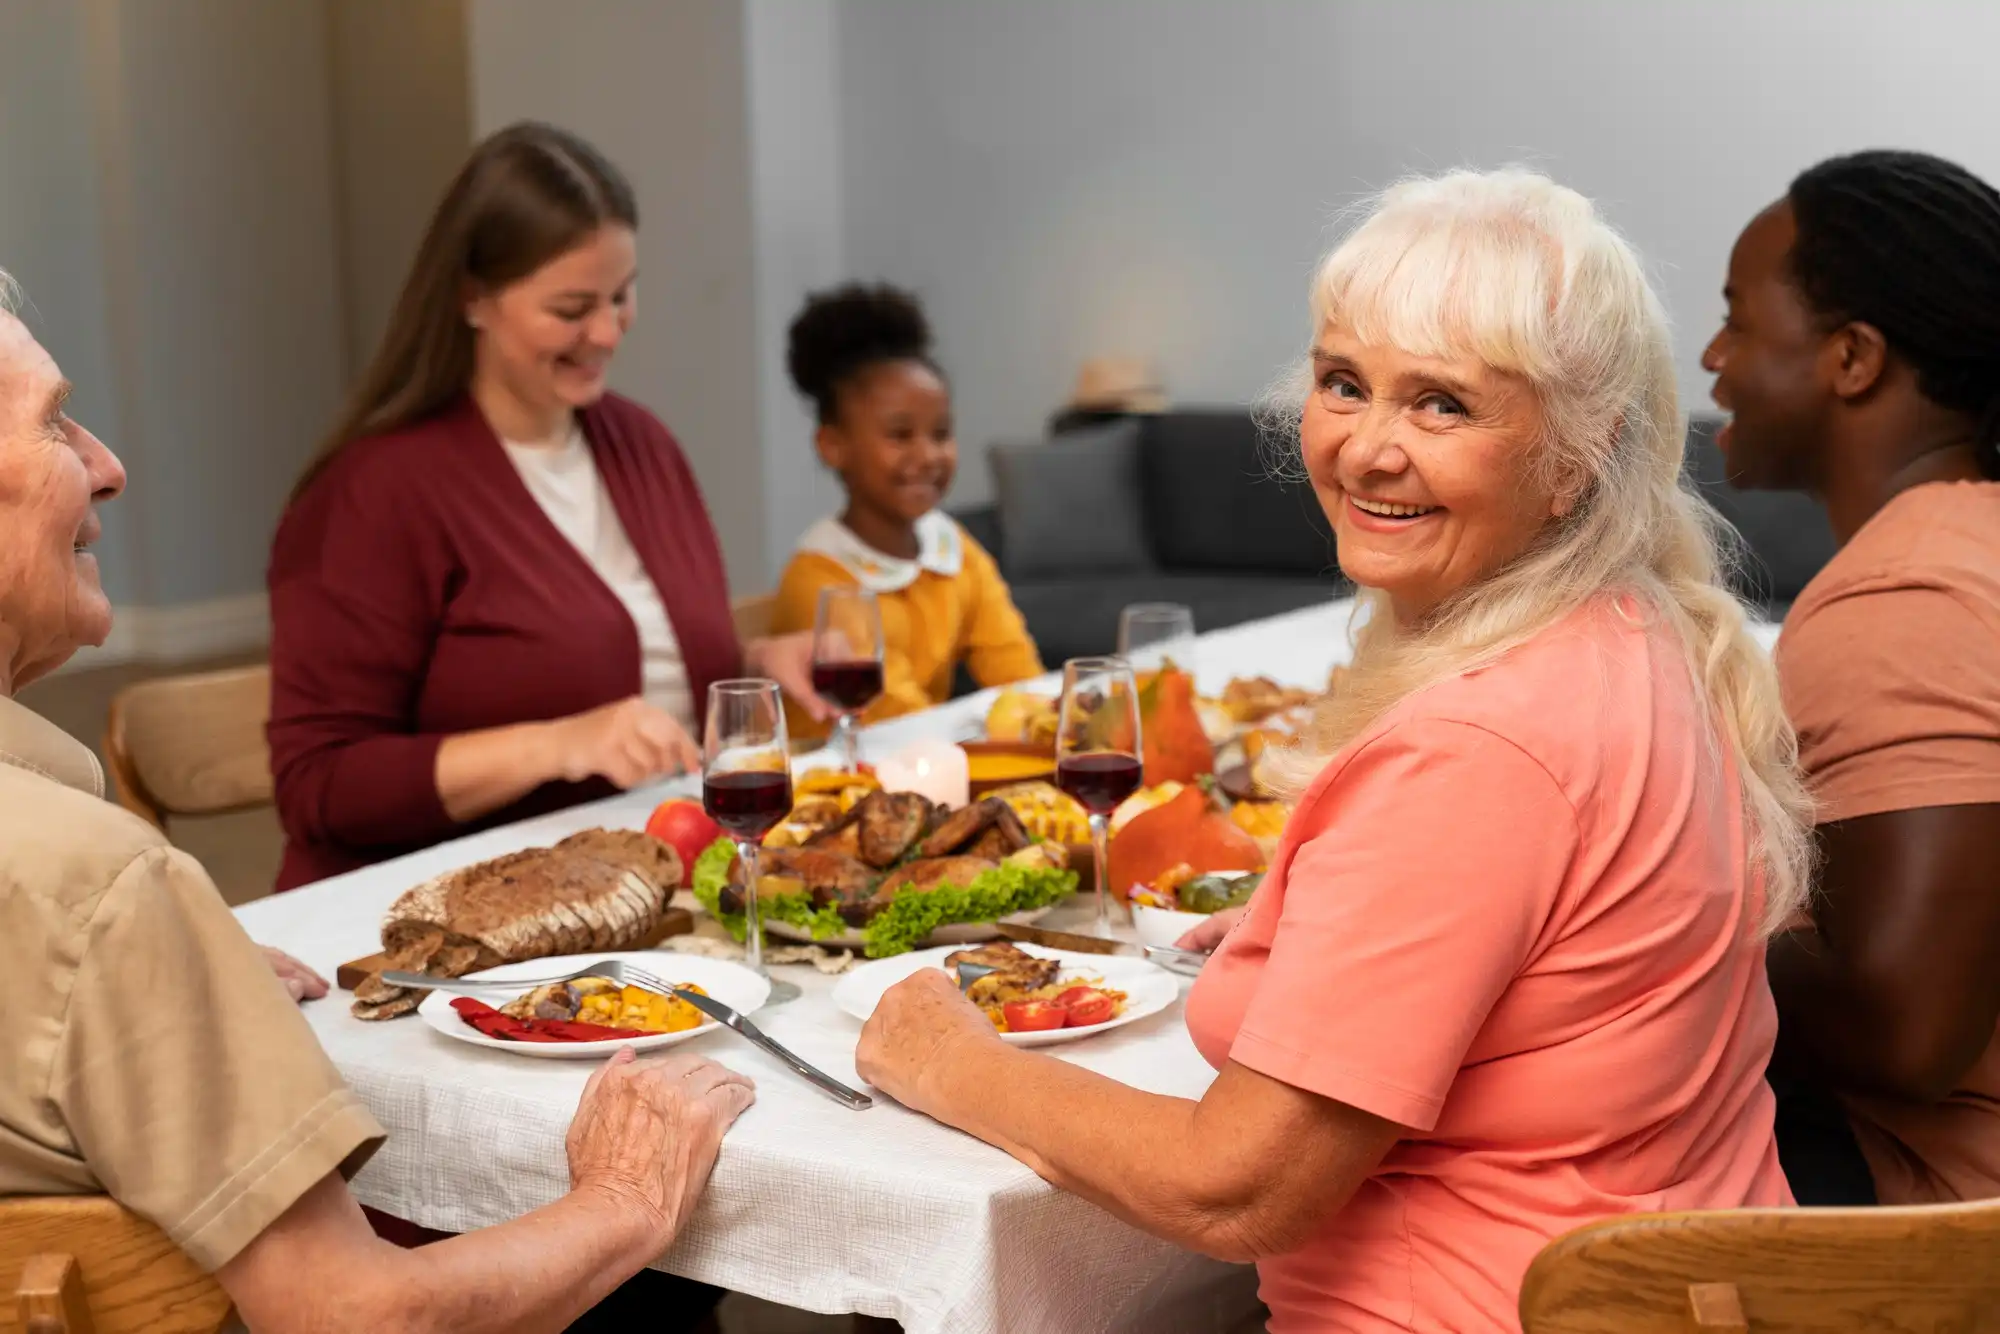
x=754, y=616
x=191, y=745
x=84, y=1264
x=1773, y=1271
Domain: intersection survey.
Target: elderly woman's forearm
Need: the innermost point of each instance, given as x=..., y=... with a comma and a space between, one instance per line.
x=1144, y=1157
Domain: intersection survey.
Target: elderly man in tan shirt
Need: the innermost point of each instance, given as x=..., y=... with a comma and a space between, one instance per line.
x=155, y=1054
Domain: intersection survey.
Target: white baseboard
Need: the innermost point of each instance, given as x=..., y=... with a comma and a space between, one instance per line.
x=186, y=633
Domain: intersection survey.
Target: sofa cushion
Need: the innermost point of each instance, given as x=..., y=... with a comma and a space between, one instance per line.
x=1071, y=506
x=1078, y=617
x=1786, y=536
x=1213, y=501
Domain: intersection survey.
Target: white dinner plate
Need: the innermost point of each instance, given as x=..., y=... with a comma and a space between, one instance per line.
x=730, y=983
x=1148, y=988
x=957, y=933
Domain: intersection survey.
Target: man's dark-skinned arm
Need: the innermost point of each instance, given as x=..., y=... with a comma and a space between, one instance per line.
x=1896, y=988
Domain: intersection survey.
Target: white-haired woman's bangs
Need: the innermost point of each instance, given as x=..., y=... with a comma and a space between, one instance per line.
x=1433, y=283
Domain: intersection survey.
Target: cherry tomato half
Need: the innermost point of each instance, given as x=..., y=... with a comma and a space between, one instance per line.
x=1033, y=1016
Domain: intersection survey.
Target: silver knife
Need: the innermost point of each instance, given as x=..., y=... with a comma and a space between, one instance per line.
x=1185, y=962
x=728, y=1017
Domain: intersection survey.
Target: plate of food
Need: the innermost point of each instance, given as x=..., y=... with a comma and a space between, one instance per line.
x=1179, y=900
x=556, y=1022
x=1033, y=996
x=892, y=872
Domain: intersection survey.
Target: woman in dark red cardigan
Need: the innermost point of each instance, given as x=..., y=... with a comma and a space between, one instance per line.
x=497, y=592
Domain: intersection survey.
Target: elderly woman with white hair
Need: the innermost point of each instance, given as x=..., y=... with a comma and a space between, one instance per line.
x=1506, y=972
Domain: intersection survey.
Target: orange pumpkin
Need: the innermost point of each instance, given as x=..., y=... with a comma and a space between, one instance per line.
x=1176, y=747
x=1189, y=829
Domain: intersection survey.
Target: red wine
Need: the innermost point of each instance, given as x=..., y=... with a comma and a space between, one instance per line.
x=852, y=685
x=747, y=802
x=1099, y=780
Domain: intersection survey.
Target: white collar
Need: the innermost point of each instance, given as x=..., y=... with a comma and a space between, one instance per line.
x=940, y=550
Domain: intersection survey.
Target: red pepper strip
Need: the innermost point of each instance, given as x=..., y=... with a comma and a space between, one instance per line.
x=571, y=1031
x=494, y=1024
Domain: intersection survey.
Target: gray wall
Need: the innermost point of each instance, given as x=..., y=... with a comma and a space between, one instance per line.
x=50, y=226
x=795, y=196
x=1126, y=176
x=174, y=206
x=211, y=202
x=660, y=89
x=402, y=122
x=225, y=285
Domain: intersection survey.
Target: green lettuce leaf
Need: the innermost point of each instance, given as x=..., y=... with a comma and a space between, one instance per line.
x=909, y=917
x=711, y=875
x=993, y=894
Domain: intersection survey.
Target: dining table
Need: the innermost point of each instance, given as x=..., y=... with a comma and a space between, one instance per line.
x=879, y=1212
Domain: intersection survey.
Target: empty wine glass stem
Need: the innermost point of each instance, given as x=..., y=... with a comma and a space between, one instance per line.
x=753, y=908
x=1099, y=827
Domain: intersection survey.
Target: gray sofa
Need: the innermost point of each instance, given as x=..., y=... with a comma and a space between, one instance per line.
x=1189, y=507
x=1179, y=507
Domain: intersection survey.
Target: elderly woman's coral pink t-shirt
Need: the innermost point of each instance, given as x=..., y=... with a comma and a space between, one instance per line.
x=1513, y=917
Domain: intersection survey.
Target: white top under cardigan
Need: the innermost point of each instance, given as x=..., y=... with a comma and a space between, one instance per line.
x=564, y=481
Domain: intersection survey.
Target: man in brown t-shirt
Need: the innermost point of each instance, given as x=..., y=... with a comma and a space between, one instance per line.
x=1861, y=360
x=154, y=1055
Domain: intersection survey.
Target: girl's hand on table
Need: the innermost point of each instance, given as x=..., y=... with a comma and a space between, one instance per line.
x=788, y=660
x=919, y=1025
x=1210, y=933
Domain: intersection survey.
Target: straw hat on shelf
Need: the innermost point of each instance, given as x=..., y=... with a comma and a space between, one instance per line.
x=1116, y=384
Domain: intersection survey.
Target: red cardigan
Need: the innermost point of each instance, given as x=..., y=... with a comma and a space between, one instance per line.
x=418, y=591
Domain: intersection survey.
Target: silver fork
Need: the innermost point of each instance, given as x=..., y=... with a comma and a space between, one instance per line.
x=729, y=1017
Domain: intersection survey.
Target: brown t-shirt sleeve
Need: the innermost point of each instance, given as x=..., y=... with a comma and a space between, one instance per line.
x=1894, y=711
x=191, y=1084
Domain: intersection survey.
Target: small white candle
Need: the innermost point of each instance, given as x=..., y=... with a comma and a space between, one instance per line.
x=931, y=768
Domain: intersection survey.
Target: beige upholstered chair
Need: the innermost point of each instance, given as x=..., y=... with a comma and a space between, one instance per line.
x=84, y=1264
x=192, y=745
x=1772, y=1271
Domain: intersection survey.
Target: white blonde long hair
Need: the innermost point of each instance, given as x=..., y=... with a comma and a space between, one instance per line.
x=1513, y=269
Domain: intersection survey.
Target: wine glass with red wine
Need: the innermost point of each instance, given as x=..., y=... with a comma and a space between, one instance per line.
x=1097, y=751
x=746, y=787
x=847, y=660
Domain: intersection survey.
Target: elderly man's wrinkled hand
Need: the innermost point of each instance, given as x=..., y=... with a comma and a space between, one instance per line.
x=646, y=1133
x=302, y=982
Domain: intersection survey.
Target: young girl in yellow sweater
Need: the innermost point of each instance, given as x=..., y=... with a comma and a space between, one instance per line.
x=862, y=355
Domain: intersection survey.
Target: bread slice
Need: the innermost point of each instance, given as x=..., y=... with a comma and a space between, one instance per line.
x=638, y=852
x=600, y=890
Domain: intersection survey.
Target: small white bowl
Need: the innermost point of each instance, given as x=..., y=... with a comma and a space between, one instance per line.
x=1164, y=926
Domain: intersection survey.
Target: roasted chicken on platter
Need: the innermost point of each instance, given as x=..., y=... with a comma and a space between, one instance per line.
x=892, y=843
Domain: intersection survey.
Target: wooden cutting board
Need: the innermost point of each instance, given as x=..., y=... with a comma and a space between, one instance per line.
x=673, y=922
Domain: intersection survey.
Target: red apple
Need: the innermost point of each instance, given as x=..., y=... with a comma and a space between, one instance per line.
x=685, y=827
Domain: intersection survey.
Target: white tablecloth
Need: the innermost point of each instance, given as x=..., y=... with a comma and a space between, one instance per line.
x=879, y=1212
